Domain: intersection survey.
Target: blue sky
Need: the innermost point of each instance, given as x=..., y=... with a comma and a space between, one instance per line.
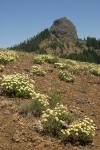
x=21, y=19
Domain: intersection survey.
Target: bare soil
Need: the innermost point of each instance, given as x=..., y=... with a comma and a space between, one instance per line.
x=19, y=133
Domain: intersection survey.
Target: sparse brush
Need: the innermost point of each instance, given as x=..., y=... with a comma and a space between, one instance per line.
x=51, y=59
x=36, y=106
x=39, y=59
x=37, y=70
x=18, y=85
x=7, y=56
x=40, y=103
x=54, y=98
x=82, y=131
x=95, y=71
x=53, y=120
x=66, y=76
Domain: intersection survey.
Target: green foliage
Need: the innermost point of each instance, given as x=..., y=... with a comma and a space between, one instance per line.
x=46, y=58
x=54, y=45
x=32, y=44
x=36, y=106
x=95, y=70
x=18, y=85
x=7, y=56
x=82, y=131
x=92, y=42
x=37, y=70
x=66, y=76
x=85, y=56
x=55, y=120
x=54, y=98
x=60, y=65
x=40, y=103
x=39, y=59
x=51, y=59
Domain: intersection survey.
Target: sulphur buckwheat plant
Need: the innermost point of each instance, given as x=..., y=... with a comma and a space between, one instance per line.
x=55, y=120
x=66, y=76
x=82, y=131
x=18, y=85
x=37, y=70
x=39, y=59
x=40, y=103
x=95, y=71
x=51, y=59
x=60, y=65
x=7, y=56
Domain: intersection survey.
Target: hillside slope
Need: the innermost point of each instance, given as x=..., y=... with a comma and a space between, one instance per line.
x=19, y=131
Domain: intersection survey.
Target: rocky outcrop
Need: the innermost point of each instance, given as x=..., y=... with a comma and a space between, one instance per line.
x=64, y=28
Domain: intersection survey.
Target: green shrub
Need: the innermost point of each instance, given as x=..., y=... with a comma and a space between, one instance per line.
x=36, y=106
x=60, y=65
x=54, y=98
x=66, y=76
x=18, y=85
x=51, y=59
x=37, y=70
x=7, y=56
x=39, y=59
x=55, y=120
x=95, y=71
x=39, y=103
x=82, y=131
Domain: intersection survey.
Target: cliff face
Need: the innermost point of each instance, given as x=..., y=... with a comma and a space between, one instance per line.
x=64, y=28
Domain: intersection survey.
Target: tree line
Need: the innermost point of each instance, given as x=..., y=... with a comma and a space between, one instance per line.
x=32, y=44
x=85, y=56
x=92, y=42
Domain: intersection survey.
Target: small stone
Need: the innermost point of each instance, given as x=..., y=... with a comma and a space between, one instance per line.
x=7, y=112
x=29, y=144
x=16, y=138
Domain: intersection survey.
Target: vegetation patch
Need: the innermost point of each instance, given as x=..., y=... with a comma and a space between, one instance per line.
x=39, y=59
x=7, y=56
x=51, y=59
x=60, y=65
x=37, y=70
x=66, y=76
x=53, y=120
x=95, y=71
x=82, y=131
x=18, y=85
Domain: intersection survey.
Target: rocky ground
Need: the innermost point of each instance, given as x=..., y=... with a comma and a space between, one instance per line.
x=20, y=133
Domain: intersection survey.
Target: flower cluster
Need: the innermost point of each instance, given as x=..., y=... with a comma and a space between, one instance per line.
x=95, y=71
x=1, y=68
x=37, y=70
x=51, y=59
x=40, y=103
x=66, y=76
x=18, y=85
x=39, y=59
x=71, y=62
x=82, y=131
x=7, y=56
x=60, y=121
x=54, y=120
x=60, y=65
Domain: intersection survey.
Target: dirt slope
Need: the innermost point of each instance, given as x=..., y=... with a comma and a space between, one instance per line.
x=19, y=133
